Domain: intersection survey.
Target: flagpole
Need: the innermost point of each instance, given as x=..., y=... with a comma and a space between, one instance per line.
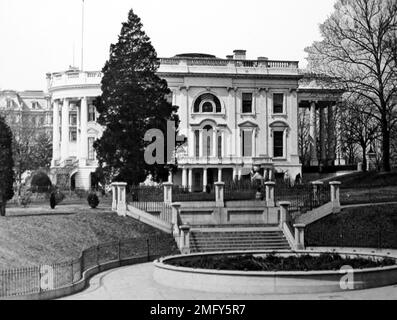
x=82, y=37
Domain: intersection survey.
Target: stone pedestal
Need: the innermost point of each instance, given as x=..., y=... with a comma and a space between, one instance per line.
x=219, y=194
x=371, y=162
x=284, y=212
x=168, y=192
x=270, y=194
x=185, y=239
x=335, y=196
x=299, y=236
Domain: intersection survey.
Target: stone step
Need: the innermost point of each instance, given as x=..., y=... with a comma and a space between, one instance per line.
x=215, y=249
x=223, y=244
x=247, y=234
x=250, y=236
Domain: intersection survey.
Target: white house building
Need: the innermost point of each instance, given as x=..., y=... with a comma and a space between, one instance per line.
x=74, y=126
x=237, y=114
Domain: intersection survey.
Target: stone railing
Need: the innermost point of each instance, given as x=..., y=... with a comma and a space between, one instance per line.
x=268, y=64
x=68, y=78
x=297, y=237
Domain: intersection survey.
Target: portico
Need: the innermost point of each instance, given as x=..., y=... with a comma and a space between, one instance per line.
x=321, y=104
x=75, y=128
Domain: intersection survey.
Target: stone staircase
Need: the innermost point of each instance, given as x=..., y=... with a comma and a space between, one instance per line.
x=237, y=239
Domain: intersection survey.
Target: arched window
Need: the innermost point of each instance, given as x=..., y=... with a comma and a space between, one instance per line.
x=208, y=107
x=207, y=103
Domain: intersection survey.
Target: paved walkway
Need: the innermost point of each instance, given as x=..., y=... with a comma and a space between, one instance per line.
x=136, y=283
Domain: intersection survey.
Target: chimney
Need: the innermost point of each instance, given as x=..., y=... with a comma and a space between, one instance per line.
x=263, y=58
x=239, y=54
x=230, y=57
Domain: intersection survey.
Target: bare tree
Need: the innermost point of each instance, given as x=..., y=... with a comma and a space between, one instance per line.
x=303, y=137
x=358, y=52
x=358, y=125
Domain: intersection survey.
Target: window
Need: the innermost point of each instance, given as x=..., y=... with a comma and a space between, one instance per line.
x=73, y=134
x=208, y=103
x=278, y=144
x=91, y=113
x=247, y=102
x=35, y=105
x=91, y=150
x=278, y=103
x=219, y=146
x=197, y=142
x=247, y=143
x=208, y=107
x=73, y=118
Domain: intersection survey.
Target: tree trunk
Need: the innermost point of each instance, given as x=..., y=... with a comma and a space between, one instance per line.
x=364, y=147
x=2, y=209
x=385, y=145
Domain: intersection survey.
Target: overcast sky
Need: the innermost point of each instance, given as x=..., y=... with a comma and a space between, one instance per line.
x=38, y=36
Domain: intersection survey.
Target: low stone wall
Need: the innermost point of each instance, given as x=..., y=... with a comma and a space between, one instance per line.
x=271, y=282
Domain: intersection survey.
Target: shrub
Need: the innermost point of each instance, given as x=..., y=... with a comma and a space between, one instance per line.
x=41, y=182
x=26, y=199
x=93, y=200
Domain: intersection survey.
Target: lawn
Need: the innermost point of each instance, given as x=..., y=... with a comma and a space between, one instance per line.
x=371, y=227
x=369, y=179
x=39, y=235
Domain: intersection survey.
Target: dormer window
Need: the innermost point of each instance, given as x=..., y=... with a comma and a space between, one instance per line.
x=207, y=103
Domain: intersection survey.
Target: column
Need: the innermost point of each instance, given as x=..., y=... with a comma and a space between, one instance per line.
x=55, y=132
x=323, y=133
x=219, y=174
x=184, y=178
x=190, y=183
x=170, y=177
x=240, y=173
x=214, y=143
x=234, y=174
x=201, y=143
x=65, y=129
x=313, y=134
x=83, y=130
x=254, y=143
x=205, y=179
x=223, y=144
x=331, y=137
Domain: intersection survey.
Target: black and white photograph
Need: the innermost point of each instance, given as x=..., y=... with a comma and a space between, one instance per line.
x=198, y=155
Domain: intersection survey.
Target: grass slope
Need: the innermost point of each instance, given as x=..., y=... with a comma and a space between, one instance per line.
x=372, y=179
x=365, y=227
x=48, y=237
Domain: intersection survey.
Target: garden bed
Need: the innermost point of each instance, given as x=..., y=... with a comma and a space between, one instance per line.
x=272, y=262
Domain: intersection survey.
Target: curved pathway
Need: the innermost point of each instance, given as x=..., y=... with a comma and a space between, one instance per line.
x=136, y=283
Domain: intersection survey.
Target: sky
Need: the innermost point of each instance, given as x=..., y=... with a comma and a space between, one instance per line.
x=41, y=36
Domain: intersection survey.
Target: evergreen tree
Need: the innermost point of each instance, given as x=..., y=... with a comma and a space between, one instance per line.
x=133, y=101
x=6, y=166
